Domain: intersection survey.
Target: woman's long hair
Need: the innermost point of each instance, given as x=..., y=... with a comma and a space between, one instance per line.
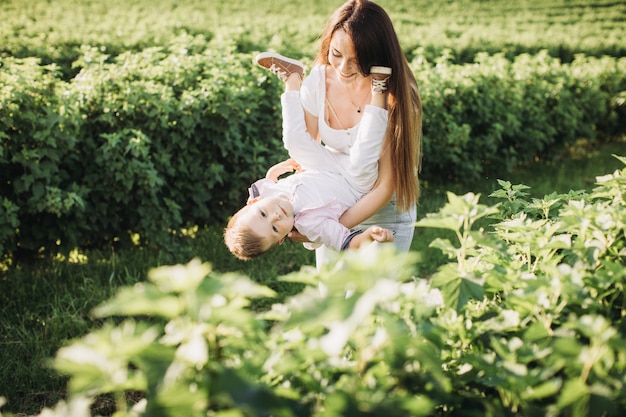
x=376, y=43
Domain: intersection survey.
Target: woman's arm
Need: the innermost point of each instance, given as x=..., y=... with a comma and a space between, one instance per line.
x=376, y=199
x=311, y=125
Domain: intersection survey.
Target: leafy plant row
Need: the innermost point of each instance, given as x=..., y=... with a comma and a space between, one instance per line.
x=526, y=318
x=145, y=143
x=495, y=114
x=56, y=34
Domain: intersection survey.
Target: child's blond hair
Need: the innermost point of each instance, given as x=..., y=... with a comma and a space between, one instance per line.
x=242, y=241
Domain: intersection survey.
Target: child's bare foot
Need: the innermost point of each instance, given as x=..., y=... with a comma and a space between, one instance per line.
x=280, y=65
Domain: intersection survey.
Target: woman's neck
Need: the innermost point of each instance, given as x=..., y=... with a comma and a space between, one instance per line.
x=345, y=100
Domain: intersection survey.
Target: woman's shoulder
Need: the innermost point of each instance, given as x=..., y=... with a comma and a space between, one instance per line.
x=316, y=75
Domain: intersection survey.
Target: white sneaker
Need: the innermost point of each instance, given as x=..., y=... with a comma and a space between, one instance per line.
x=380, y=75
x=280, y=65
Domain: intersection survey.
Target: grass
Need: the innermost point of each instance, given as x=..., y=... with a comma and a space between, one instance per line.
x=45, y=303
x=575, y=169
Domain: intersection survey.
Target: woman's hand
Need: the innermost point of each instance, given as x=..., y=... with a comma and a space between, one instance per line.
x=288, y=165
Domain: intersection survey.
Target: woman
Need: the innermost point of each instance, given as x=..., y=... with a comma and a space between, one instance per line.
x=358, y=36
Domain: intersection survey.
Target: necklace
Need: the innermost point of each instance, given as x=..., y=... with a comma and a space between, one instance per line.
x=357, y=104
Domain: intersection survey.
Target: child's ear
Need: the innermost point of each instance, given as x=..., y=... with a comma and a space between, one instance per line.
x=280, y=242
x=252, y=200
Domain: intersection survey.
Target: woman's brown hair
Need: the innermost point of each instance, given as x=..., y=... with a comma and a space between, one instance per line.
x=376, y=43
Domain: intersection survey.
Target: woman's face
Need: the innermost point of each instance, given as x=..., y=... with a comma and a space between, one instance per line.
x=342, y=57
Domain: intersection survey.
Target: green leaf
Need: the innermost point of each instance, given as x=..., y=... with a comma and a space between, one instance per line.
x=141, y=299
x=536, y=331
x=179, y=278
x=573, y=391
x=100, y=361
x=440, y=222
x=458, y=290
x=543, y=390
x=445, y=246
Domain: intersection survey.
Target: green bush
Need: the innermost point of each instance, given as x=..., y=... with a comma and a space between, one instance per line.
x=489, y=117
x=467, y=27
x=36, y=142
x=526, y=318
x=140, y=145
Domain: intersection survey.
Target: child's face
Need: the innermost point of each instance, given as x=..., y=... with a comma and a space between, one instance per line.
x=270, y=217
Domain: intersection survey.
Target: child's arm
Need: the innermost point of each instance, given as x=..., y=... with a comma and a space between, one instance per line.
x=372, y=233
x=288, y=165
x=321, y=229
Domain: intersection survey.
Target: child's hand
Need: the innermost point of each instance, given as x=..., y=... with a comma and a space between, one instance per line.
x=289, y=165
x=295, y=236
x=380, y=234
x=372, y=233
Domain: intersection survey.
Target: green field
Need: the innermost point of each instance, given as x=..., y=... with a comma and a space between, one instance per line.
x=46, y=300
x=564, y=27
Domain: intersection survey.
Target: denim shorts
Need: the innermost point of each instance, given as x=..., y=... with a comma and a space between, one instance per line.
x=401, y=224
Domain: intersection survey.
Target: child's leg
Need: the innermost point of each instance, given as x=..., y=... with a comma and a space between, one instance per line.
x=309, y=153
x=300, y=145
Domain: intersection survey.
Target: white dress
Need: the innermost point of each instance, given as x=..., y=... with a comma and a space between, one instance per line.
x=313, y=94
x=332, y=182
